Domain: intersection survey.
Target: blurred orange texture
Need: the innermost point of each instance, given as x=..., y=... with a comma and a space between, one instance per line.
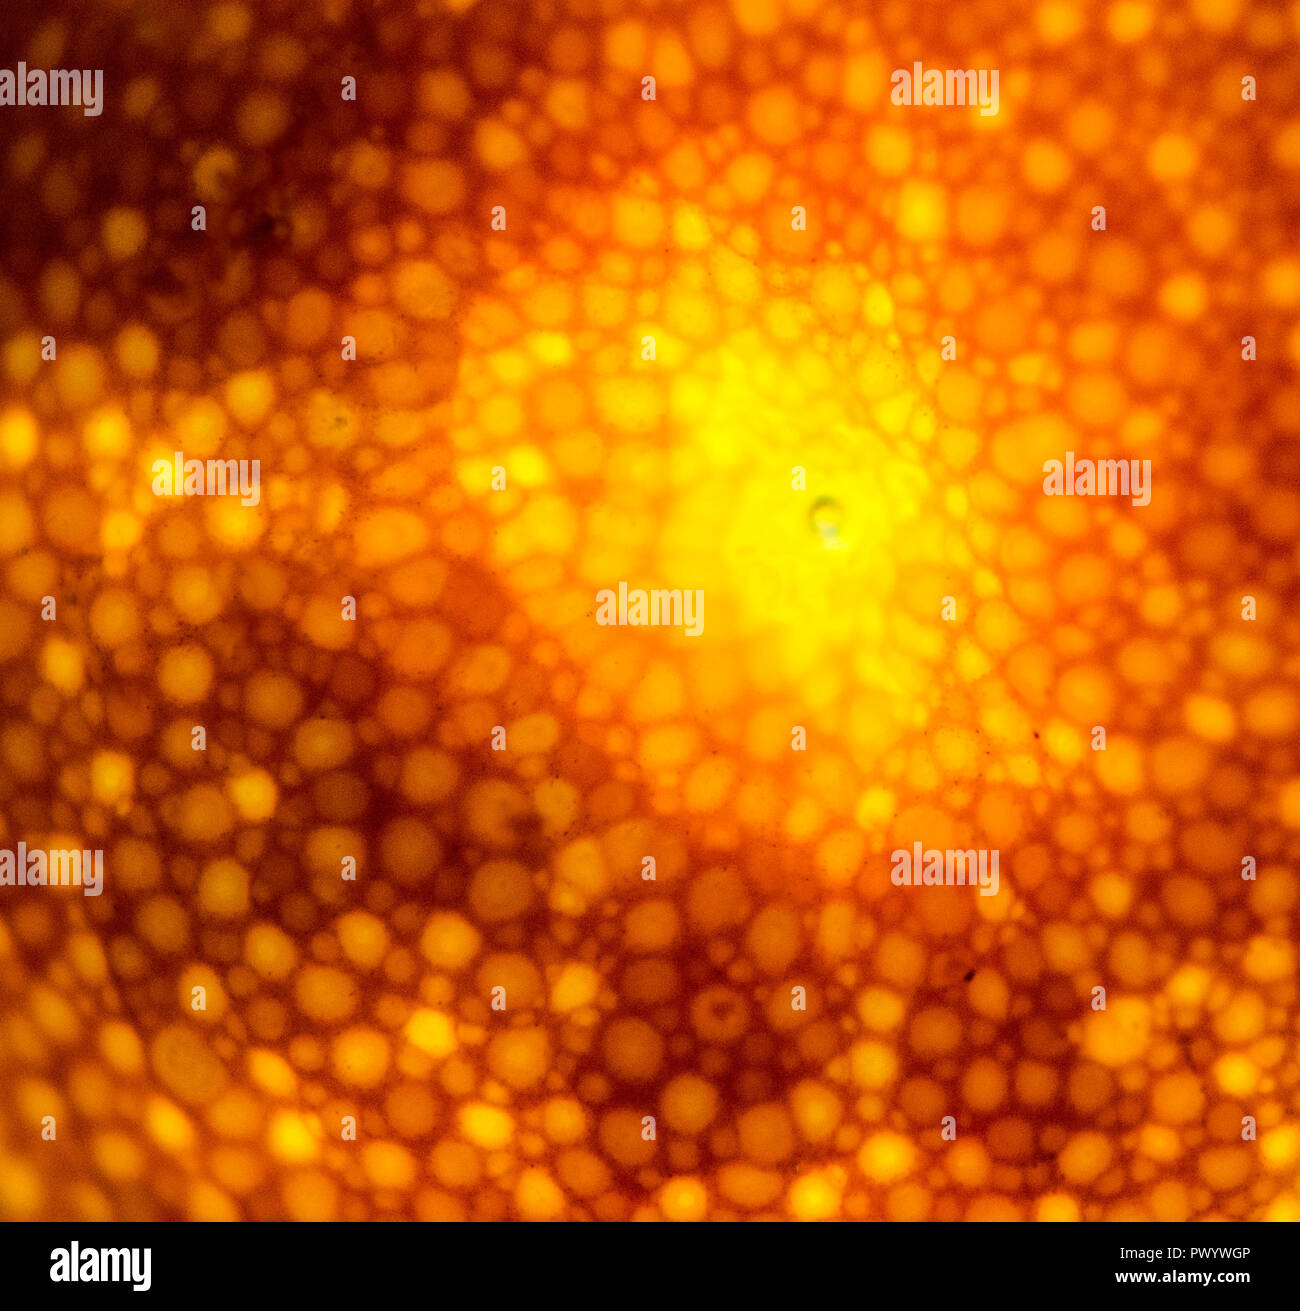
x=427, y=895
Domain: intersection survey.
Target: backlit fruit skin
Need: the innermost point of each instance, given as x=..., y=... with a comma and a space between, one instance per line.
x=634, y=1005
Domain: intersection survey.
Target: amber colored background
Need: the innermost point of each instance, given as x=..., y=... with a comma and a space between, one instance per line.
x=522, y=349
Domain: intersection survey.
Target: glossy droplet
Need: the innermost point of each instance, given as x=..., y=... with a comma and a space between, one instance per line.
x=827, y=518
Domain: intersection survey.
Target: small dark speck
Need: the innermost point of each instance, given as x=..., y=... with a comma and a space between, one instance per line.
x=968, y=976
